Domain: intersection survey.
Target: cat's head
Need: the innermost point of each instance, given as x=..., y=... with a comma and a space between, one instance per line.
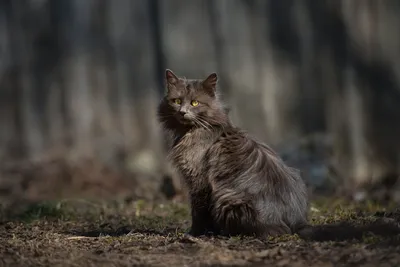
x=192, y=103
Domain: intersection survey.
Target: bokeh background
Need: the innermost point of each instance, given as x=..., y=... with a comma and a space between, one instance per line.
x=80, y=81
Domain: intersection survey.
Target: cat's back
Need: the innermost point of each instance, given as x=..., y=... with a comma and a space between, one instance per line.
x=240, y=147
x=246, y=163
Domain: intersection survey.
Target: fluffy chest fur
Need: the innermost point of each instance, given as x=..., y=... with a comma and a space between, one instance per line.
x=188, y=154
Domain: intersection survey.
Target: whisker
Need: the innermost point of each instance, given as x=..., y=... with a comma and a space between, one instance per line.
x=200, y=123
x=207, y=125
x=207, y=121
x=204, y=122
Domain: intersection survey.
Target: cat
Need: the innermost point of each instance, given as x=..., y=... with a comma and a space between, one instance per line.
x=237, y=185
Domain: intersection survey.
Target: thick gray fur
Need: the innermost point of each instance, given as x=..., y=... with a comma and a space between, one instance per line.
x=237, y=185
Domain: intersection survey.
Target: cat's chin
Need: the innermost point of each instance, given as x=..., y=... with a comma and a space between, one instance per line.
x=185, y=122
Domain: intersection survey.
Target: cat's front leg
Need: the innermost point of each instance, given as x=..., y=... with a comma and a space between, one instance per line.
x=202, y=222
x=199, y=223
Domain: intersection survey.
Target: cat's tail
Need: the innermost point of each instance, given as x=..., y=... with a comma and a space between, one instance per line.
x=337, y=232
x=305, y=231
x=340, y=231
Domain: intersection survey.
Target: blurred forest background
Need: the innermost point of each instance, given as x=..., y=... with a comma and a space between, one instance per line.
x=80, y=82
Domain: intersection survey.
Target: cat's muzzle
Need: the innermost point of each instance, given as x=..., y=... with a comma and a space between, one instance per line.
x=186, y=119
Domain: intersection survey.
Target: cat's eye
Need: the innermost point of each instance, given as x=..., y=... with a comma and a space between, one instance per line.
x=195, y=103
x=177, y=101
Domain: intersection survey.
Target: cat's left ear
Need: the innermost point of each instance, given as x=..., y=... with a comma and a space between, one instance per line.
x=171, y=78
x=210, y=82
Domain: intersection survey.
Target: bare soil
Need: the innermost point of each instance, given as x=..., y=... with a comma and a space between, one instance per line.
x=136, y=233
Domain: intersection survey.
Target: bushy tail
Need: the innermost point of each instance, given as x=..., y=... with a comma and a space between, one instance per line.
x=344, y=231
x=321, y=233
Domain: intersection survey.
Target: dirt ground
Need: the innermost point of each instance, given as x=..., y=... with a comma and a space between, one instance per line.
x=136, y=233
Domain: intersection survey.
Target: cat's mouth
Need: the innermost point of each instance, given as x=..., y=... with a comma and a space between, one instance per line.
x=185, y=119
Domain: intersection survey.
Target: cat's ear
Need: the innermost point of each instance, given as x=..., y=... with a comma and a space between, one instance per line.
x=210, y=83
x=170, y=77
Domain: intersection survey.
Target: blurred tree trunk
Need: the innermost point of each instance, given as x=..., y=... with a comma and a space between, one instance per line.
x=279, y=79
x=312, y=93
x=235, y=35
x=143, y=94
x=8, y=90
x=122, y=43
x=76, y=27
x=363, y=114
x=187, y=38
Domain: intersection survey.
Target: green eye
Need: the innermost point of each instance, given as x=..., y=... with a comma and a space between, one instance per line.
x=177, y=101
x=195, y=103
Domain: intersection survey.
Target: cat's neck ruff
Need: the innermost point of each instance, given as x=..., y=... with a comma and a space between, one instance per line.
x=197, y=133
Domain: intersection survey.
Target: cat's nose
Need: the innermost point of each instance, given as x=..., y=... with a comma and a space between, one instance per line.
x=182, y=112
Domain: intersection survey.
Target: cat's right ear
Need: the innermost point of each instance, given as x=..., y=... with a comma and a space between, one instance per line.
x=170, y=77
x=210, y=83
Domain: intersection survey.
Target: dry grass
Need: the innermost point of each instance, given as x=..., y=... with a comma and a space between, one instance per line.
x=88, y=233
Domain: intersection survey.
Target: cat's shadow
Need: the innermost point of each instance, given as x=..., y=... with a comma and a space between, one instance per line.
x=386, y=232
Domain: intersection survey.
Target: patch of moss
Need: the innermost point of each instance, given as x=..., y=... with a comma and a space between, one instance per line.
x=370, y=238
x=328, y=211
x=179, y=211
x=41, y=210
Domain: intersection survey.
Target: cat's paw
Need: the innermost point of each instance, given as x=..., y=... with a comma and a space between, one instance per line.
x=277, y=230
x=200, y=232
x=193, y=232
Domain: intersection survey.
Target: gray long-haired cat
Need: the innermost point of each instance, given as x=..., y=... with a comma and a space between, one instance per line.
x=237, y=185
